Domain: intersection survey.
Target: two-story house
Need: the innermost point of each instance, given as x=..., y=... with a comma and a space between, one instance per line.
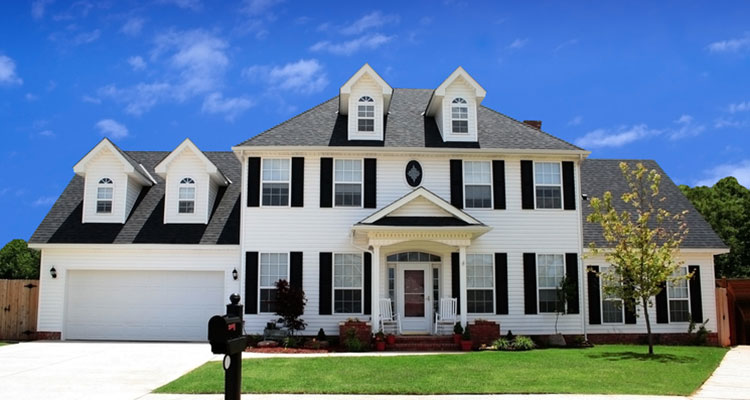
x=411, y=195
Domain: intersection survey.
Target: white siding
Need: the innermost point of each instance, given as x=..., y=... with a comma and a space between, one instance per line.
x=134, y=190
x=52, y=297
x=458, y=88
x=213, y=190
x=187, y=164
x=419, y=207
x=105, y=165
x=366, y=86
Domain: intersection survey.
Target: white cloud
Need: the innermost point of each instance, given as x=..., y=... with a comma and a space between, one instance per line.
x=734, y=45
x=90, y=99
x=38, y=8
x=139, y=98
x=194, y=5
x=739, y=170
x=112, y=128
x=565, y=44
x=687, y=128
x=617, y=137
x=231, y=107
x=349, y=47
x=137, y=63
x=30, y=97
x=373, y=20
x=133, y=26
x=44, y=201
x=8, y=71
x=575, y=121
x=86, y=37
x=256, y=7
x=739, y=107
x=518, y=44
x=47, y=133
x=302, y=76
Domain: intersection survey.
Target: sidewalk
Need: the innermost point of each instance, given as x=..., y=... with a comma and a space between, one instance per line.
x=731, y=380
x=414, y=397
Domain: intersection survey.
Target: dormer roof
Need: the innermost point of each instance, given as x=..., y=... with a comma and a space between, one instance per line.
x=439, y=93
x=346, y=89
x=451, y=216
x=131, y=167
x=187, y=145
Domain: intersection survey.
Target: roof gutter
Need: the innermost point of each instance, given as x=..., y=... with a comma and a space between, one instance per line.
x=401, y=150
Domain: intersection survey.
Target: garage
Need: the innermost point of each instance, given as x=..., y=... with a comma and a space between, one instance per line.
x=141, y=305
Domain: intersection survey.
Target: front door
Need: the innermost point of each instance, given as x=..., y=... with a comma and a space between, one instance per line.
x=415, y=302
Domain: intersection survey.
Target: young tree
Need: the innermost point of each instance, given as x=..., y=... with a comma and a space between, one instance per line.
x=290, y=305
x=642, y=241
x=18, y=261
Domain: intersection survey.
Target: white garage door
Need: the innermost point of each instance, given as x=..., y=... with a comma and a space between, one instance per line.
x=142, y=305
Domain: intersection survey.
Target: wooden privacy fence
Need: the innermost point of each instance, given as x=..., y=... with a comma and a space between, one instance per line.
x=19, y=299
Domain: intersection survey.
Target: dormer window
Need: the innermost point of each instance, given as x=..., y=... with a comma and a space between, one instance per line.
x=186, y=196
x=366, y=114
x=460, y=115
x=104, y=194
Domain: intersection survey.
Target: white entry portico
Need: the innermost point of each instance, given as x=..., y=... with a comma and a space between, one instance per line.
x=433, y=231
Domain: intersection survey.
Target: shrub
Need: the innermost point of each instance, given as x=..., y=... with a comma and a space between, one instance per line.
x=291, y=342
x=458, y=329
x=466, y=335
x=700, y=335
x=523, y=343
x=352, y=342
x=502, y=344
x=321, y=336
x=290, y=305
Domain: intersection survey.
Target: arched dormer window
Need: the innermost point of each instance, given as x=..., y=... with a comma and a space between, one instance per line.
x=366, y=114
x=460, y=115
x=186, y=196
x=104, y=195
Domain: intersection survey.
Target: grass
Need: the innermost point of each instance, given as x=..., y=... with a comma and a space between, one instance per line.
x=611, y=369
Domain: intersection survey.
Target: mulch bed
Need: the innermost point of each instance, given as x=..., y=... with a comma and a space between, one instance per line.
x=281, y=350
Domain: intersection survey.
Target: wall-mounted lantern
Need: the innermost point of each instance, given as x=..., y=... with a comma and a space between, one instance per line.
x=53, y=272
x=234, y=274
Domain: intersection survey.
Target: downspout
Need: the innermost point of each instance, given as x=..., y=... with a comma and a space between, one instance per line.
x=581, y=281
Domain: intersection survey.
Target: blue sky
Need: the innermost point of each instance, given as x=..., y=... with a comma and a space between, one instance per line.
x=663, y=80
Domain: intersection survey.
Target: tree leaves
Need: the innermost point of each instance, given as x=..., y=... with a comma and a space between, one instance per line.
x=18, y=261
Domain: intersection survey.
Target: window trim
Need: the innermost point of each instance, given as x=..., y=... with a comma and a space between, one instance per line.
x=538, y=288
x=110, y=184
x=494, y=284
x=288, y=182
x=261, y=287
x=562, y=198
x=602, y=300
x=492, y=189
x=371, y=101
x=333, y=284
x=181, y=185
x=669, y=299
x=466, y=104
x=361, y=183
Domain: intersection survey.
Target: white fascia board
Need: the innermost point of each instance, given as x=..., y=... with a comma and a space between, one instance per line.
x=439, y=93
x=80, y=167
x=163, y=167
x=346, y=89
x=573, y=154
x=135, y=246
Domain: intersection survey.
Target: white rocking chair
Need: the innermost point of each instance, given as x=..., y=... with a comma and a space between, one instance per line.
x=389, y=319
x=447, y=314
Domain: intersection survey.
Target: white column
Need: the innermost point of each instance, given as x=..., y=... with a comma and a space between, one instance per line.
x=462, y=284
x=375, y=290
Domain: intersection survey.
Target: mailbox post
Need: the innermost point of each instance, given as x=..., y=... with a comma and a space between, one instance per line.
x=225, y=333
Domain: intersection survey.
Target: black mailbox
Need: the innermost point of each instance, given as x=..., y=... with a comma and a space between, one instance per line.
x=225, y=334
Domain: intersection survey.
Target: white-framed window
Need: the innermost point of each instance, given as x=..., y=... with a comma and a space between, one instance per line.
x=347, y=179
x=678, y=293
x=460, y=115
x=186, y=196
x=477, y=184
x=366, y=114
x=550, y=273
x=104, y=194
x=273, y=268
x=480, y=283
x=348, y=282
x=613, y=308
x=548, y=185
x=276, y=178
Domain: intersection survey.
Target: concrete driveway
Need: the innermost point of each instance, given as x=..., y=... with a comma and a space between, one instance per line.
x=94, y=370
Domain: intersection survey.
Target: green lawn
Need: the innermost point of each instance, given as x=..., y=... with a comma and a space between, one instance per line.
x=612, y=369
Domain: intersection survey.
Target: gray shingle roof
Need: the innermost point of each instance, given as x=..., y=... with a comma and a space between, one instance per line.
x=599, y=176
x=405, y=126
x=145, y=222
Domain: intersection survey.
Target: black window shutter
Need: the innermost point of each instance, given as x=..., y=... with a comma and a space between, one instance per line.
x=501, y=283
x=595, y=301
x=457, y=183
x=569, y=186
x=662, y=309
x=529, y=283
x=630, y=317
x=298, y=181
x=295, y=269
x=456, y=280
x=325, y=282
x=251, y=282
x=571, y=272
x=696, y=302
x=326, y=182
x=498, y=183
x=253, y=182
x=527, y=185
x=371, y=179
x=367, y=309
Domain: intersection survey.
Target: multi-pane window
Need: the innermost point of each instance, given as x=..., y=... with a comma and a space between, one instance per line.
x=460, y=115
x=347, y=283
x=477, y=184
x=480, y=283
x=186, y=196
x=551, y=271
x=104, y=193
x=273, y=268
x=612, y=306
x=348, y=183
x=275, y=175
x=366, y=114
x=548, y=185
x=678, y=293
